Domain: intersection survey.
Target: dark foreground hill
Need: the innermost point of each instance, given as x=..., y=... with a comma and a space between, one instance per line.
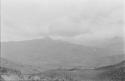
x=113, y=72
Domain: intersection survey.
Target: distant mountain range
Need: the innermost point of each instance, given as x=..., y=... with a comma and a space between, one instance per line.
x=48, y=53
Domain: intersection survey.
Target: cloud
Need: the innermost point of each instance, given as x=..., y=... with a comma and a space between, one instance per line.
x=78, y=20
x=95, y=23
x=93, y=37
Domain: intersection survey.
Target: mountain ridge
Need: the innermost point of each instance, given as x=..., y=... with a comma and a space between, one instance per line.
x=55, y=53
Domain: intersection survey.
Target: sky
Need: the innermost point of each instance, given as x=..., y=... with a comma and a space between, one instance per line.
x=70, y=20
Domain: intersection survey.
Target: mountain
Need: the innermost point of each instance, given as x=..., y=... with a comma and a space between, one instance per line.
x=47, y=53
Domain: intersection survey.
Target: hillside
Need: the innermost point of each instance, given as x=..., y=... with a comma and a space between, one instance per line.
x=25, y=69
x=113, y=72
x=108, y=73
x=47, y=53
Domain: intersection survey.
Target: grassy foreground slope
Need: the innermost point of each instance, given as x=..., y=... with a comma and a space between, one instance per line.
x=114, y=72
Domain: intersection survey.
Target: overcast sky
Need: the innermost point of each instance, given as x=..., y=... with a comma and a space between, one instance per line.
x=76, y=20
